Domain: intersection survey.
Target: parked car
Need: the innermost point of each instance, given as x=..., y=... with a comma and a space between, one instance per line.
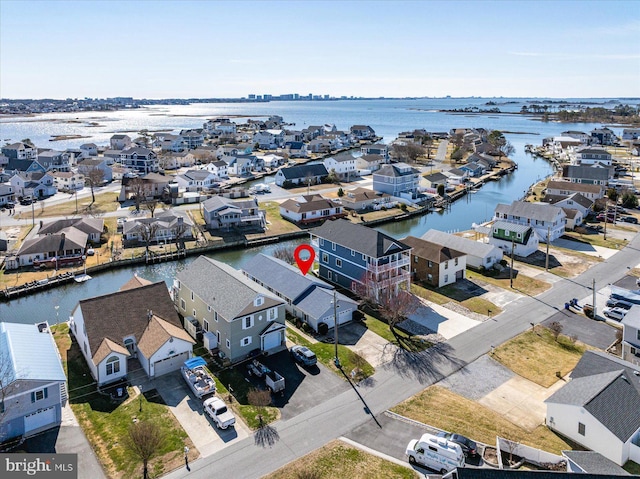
x=609, y=218
x=469, y=447
x=615, y=313
x=630, y=219
x=218, y=411
x=618, y=303
x=303, y=355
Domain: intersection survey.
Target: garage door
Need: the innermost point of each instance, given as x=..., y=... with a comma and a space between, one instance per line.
x=39, y=419
x=170, y=364
x=271, y=340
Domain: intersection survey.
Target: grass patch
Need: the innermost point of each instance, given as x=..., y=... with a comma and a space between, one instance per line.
x=338, y=459
x=632, y=467
x=429, y=294
x=105, y=202
x=450, y=293
x=481, y=306
x=326, y=352
x=537, y=356
x=106, y=423
x=276, y=224
x=521, y=283
x=446, y=410
x=379, y=327
x=597, y=240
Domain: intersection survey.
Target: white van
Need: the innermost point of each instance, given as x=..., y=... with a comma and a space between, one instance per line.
x=436, y=453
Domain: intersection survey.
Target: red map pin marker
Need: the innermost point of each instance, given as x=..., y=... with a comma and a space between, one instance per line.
x=303, y=260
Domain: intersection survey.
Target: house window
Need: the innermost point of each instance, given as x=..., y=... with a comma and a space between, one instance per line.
x=247, y=322
x=194, y=313
x=258, y=301
x=329, y=275
x=353, y=252
x=325, y=258
x=430, y=264
x=215, y=316
x=39, y=395
x=208, y=308
x=338, y=263
x=446, y=265
x=456, y=261
x=113, y=365
x=581, y=429
x=228, y=344
x=245, y=341
x=271, y=314
x=333, y=246
x=638, y=334
x=192, y=296
x=183, y=305
x=446, y=278
x=321, y=242
x=205, y=325
x=415, y=259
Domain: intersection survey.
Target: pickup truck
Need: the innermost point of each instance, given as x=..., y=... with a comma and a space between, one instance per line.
x=218, y=412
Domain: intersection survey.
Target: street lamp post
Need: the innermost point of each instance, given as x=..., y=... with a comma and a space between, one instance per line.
x=336, y=359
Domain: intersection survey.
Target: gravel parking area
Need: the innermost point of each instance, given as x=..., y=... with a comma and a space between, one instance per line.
x=478, y=379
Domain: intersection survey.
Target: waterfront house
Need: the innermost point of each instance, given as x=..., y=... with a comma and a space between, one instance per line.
x=219, y=168
x=166, y=227
x=548, y=221
x=631, y=335
x=120, y=142
x=376, y=149
x=239, y=164
x=134, y=323
x=220, y=126
x=35, y=184
x=225, y=214
x=435, y=264
x=599, y=408
x=310, y=209
x=575, y=201
x=434, y=180
x=141, y=159
x=34, y=386
x=168, y=142
x=192, y=139
x=89, y=149
x=68, y=181
x=485, y=161
x=93, y=227
x=603, y=136
x=7, y=194
x=152, y=185
x=301, y=175
x=197, y=180
x=23, y=166
x=20, y=151
x=271, y=160
x=312, y=132
x=363, y=198
x=360, y=258
x=479, y=255
x=591, y=155
x=269, y=139
x=344, y=167
x=370, y=162
x=243, y=316
x=362, y=132
x=520, y=239
x=87, y=166
x=54, y=160
x=456, y=176
x=319, y=145
x=630, y=134
x=474, y=169
x=587, y=175
x=306, y=297
x=568, y=188
x=585, y=138
x=398, y=179
x=295, y=149
x=54, y=250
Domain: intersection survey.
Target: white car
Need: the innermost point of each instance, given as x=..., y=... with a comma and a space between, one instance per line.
x=614, y=313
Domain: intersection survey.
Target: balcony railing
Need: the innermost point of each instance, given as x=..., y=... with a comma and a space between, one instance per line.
x=391, y=265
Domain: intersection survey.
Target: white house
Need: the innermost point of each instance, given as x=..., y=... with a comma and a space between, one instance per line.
x=545, y=219
x=568, y=188
x=310, y=209
x=89, y=149
x=631, y=335
x=592, y=155
x=218, y=168
x=139, y=321
x=479, y=255
x=599, y=408
x=269, y=138
x=344, y=166
x=68, y=181
x=35, y=184
x=120, y=142
x=197, y=180
x=85, y=167
x=522, y=239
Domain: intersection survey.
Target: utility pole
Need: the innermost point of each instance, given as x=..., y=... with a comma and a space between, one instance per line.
x=606, y=217
x=546, y=263
x=33, y=215
x=593, y=287
x=336, y=360
x=513, y=245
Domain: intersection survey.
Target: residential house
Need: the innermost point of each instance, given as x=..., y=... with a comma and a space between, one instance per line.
x=362, y=198
x=243, y=315
x=397, y=179
x=88, y=166
x=376, y=149
x=192, y=138
x=590, y=175
x=166, y=227
x=89, y=149
x=457, y=176
x=93, y=227
x=54, y=160
x=574, y=218
x=152, y=185
x=603, y=136
x=197, y=180
x=599, y=408
x=293, y=135
x=34, y=184
x=434, y=180
x=548, y=221
x=485, y=161
x=574, y=201
x=7, y=194
x=306, y=297
x=344, y=166
x=357, y=257
x=592, y=155
x=112, y=156
x=134, y=323
x=567, y=188
x=23, y=166
x=370, y=162
x=4, y=161
x=20, y=151
x=479, y=255
x=219, y=168
x=295, y=149
x=34, y=386
x=591, y=463
x=269, y=139
x=474, y=169
x=141, y=159
x=310, y=209
x=631, y=335
x=68, y=181
x=220, y=126
x=232, y=150
x=120, y=142
x=172, y=160
x=239, y=165
x=585, y=138
x=271, y=161
x=54, y=250
x=509, y=237
x=630, y=134
x=224, y=214
x=319, y=145
x=362, y=132
x=435, y=264
x=301, y=175
x=168, y=142
x=312, y=132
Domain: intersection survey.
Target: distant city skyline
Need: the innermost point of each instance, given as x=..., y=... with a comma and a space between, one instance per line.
x=225, y=49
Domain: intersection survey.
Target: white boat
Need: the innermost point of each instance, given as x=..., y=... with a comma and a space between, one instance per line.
x=197, y=377
x=81, y=278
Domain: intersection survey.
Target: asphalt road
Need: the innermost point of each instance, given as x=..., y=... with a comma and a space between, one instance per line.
x=404, y=376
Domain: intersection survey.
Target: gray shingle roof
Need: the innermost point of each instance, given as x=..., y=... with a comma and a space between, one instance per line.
x=308, y=203
x=580, y=391
x=541, y=212
x=431, y=251
x=318, y=301
x=224, y=288
x=68, y=239
x=595, y=463
x=587, y=172
x=302, y=171
x=470, y=247
x=359, y=238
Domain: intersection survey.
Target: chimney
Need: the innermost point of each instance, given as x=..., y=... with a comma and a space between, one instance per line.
x=149, y=314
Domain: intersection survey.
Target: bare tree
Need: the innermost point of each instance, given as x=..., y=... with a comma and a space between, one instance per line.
x=284, y=253
x=151, y=206
x=556, y=329
x=203, y=156
x=140, y=190
x=265, y=434
x=179, y=230
x=148, y=233
x=500, y=143
x=94, y=177
x=7, y=385
x=409, y=152
x=144, y=439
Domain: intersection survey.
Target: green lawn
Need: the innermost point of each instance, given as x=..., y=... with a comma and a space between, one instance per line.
x=452, y=293
x=632, y=468
x=106, y=423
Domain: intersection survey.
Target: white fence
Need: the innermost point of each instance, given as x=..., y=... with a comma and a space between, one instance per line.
x=532, y=455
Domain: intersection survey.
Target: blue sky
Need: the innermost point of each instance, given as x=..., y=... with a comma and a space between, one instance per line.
x=182, y=49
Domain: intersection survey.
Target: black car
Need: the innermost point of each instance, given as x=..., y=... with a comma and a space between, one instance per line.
x=630, y=219
x=469, y=447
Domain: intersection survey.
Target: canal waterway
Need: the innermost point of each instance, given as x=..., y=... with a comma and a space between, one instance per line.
x=386, y=117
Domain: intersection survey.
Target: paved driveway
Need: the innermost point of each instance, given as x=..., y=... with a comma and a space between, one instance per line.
x=441, y=320
x=187, y=409
x=594, y=333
